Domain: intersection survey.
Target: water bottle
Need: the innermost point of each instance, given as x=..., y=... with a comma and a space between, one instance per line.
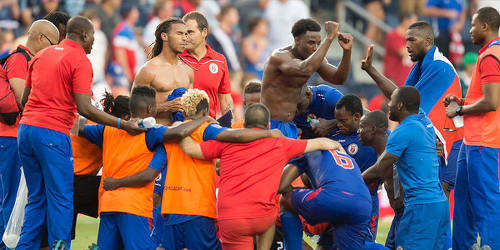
x=313, y=121
x=148, y=122
x=458, y=121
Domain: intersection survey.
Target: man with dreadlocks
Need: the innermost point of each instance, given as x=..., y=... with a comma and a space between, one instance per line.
x=165, y=70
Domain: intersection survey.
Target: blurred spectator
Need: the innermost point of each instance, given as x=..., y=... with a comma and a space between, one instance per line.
x=9, y=13
x=48, y=6
x=221, y=38
x=412, y=6
x=376, y=9
x=249, y=9
x=98, y=55
x=73, y=7
x=465, y=74
x=397, y=63
x=255, y=47
x=59, y=19
x=161, y=10
x=6, y=42
x=281, y=15
x=108, y=14
x=210, y=9
x=448, y=18
x=182, y=7
x=124, y=46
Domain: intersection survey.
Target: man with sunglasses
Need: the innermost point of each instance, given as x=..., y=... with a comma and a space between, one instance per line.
x=15, y=70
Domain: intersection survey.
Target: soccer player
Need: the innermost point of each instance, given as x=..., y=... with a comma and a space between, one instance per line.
x=126, y=213
x=434, y=77
x=250, y=174
x=338, y=196
x=188, y=203
x=211, y=74
x=289, y=68
x=317, y=102
x=16, y=71
x=477, y=197
x=412, y=147
x=165, y=70
x=251, y=95
x=348, y=112
x=373, y=132
x=58, y=85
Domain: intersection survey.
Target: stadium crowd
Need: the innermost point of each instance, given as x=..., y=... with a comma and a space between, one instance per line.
x=191, y=125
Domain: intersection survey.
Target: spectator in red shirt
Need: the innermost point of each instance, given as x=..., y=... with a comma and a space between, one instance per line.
x=212, y=74
x=41, y=34
x=397, y=63
x=250, y=175
x=58, y=85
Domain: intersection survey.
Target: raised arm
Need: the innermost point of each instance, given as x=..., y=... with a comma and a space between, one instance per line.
x=380, y=169
x=311, y=64
x=246, y=135
x=183, y=130
x=86, y=109
x=338, y=75
x=191, y=148
x=290, y=173
x=137, y=180
x=384, y=83
x=322, y=143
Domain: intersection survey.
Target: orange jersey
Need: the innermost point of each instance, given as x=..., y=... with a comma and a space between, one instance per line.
x=190, y=183
x=125, y=155
x=483, y=129
x=87, y=157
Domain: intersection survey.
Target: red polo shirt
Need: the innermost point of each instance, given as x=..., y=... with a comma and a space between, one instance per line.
x=211, y=75
x=250, y=174
x=16, y=66
x=55, y=75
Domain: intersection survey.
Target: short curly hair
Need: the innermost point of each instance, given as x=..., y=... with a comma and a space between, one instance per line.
x=194, y=101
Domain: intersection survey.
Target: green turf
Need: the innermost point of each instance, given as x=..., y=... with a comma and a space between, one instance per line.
x=87, y=227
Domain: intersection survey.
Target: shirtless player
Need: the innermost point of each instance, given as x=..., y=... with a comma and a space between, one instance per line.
x=289, y=68
x=165, y=71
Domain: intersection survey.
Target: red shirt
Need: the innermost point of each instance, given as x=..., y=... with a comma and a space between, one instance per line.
x=395, y=67
x=211, y=75
x=56, y=74
x=250, y=174
x=16, y=66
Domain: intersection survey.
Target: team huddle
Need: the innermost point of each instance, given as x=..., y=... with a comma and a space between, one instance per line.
x=304, y=159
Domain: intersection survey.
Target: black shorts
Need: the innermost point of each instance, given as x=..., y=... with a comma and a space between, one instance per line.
x=85, y=197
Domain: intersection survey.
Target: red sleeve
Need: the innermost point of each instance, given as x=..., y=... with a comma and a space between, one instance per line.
x=82, y=77
x=16, y=66
x=225, y=85
x=490, y=70
x=212, y=149
x=293, y=148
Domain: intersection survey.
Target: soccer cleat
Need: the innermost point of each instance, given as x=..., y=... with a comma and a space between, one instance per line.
x=94, y=247
x=59, y=245
x=475, y=247
x=486, y=247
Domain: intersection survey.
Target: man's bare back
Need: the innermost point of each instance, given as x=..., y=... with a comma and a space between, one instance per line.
x=288, y=69
x=164, y=78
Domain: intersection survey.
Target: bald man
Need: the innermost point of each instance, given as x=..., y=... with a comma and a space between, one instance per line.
x=58, y=85
x=40, y=35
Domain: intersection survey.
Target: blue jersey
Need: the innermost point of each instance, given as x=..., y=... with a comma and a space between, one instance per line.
x=322, y=106
x=414, y=142
x=445, y=23
x=365, y=156
x=332, y=170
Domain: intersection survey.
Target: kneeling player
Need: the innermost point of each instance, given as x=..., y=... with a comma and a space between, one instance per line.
x=339, y=197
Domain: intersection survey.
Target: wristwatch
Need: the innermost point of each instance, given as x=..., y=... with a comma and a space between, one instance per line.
x=458, y=111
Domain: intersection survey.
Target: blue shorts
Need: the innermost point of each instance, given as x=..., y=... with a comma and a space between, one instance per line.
x=157, y=223
x=390, y=242
x=424, y=226
x=287, y=128
x=198, y=233
x=348, y=214
x=448, y=173
x=125, y=231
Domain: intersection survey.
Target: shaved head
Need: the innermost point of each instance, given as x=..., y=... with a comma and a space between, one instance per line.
x=42, y=34
x=81, y=30
x=376, y=118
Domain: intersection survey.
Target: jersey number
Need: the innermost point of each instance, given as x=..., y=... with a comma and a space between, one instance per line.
x=342, y=160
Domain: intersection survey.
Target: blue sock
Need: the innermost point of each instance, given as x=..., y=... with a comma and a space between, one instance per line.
x=292, y=230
